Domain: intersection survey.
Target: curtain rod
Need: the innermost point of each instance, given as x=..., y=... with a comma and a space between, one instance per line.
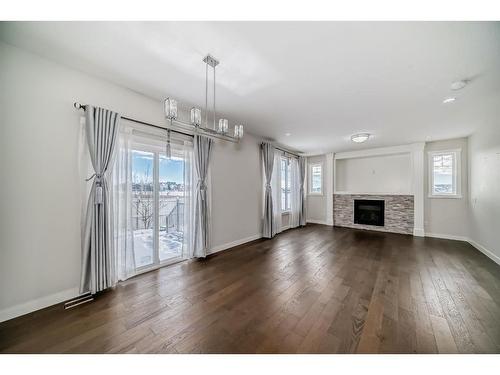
x=79, y=106
x=208, y=132
x=286, y=151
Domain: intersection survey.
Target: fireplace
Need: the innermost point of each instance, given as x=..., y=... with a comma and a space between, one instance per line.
x=369, y=212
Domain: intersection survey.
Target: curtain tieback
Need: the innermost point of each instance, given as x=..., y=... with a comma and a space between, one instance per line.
x=268, y=186
x=98, y=177
x=202, y=186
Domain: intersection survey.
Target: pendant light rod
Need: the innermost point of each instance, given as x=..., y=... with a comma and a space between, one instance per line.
x=213, y=62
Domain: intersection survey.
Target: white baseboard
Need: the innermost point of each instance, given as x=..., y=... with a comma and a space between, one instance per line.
x=322, y=222
x=495, y=258
x=228, y=245
x=418, y=232
x=38, y=304
x=447, y=236
x=485, y=251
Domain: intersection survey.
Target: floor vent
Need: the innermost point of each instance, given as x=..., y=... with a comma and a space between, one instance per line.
x=84, y=298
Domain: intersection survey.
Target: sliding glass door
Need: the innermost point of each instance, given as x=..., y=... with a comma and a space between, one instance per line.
x=158, y=201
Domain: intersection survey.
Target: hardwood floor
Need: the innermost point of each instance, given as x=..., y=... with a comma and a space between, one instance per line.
x=316, y=289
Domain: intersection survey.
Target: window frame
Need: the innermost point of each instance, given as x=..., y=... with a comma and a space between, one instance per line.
x=285, y=210
x=309, y=180
x=456, y=173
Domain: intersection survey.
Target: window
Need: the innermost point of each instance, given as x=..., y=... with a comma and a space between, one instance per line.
x=444, y=174
x=286, y=182
x=316, y=179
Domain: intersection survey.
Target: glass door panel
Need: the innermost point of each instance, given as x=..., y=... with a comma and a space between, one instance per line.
x=143, y=207
x=171, y=207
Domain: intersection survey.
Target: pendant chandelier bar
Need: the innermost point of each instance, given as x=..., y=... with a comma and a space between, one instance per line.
x=222, y=130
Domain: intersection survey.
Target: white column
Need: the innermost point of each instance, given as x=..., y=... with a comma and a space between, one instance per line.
x=329, y=177
x=418, y=188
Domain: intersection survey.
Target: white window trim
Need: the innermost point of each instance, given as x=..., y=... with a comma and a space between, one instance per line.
x=457, y=172
x=309, y=179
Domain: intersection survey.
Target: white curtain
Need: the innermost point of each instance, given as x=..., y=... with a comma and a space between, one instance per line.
x=276, y=193
x=295, y=192
x=189, y=198
x=122, y=206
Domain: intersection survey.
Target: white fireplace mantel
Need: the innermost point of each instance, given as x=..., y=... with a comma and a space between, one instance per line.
x=416, y=153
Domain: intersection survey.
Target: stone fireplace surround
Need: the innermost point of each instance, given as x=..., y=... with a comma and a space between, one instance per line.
x=399, y=212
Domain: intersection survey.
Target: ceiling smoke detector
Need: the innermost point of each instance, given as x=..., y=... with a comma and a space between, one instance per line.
x=360, y=137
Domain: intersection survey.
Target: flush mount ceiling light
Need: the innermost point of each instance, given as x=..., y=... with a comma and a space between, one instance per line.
x=222, y=131
x=449, y=100
x=458, y=85
x=360, y=137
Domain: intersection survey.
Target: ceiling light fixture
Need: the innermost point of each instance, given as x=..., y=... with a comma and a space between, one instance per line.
x=222, y=131
x=449, y=100
x=360, y=137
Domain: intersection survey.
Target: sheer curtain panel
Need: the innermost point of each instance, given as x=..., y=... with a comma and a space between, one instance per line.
x=295, y=193
x=122, y=207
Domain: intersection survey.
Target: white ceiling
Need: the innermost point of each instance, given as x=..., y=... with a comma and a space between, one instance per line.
x=318, y=81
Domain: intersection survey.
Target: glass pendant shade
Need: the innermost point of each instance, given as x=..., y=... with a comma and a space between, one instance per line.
x=195, y=116
x=171, y=108
x=223, y=126
x=238, y=131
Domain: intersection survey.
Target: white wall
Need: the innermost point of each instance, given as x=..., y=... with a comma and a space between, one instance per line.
x=236, y=192
x=39, y=196
x=375, y=174
x=484, y=188
x=447, y=217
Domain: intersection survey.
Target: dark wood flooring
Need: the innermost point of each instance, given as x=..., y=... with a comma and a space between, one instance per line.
x=311, y=290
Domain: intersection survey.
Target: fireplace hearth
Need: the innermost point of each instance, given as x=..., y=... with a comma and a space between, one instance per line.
x=369, y=212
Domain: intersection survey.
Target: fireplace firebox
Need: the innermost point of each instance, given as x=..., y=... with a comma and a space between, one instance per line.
x=369, y=212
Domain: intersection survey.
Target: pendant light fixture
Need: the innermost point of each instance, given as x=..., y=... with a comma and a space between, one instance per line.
x=222, y=130
x=195, y=116
x=223, y=126
x=238, y=131
x=170, y=106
